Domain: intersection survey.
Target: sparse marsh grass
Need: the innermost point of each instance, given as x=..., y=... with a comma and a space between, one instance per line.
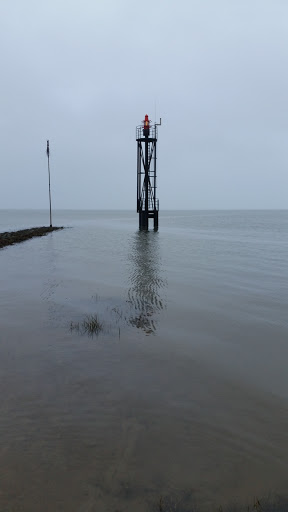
x=115, y=317
x=270, y=503
x=91, y=326
x=183, y=502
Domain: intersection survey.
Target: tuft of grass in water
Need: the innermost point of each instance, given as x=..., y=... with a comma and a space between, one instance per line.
x=91, y=326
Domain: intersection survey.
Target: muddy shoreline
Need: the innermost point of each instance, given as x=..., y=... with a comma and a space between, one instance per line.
x=15, y=237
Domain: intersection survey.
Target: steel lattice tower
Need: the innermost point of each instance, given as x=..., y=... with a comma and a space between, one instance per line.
x=147, y=203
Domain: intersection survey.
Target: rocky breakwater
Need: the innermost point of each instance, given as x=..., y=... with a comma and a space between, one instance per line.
x=14, y=237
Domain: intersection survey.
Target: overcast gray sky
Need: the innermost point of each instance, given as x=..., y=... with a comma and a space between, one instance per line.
x=85, y=73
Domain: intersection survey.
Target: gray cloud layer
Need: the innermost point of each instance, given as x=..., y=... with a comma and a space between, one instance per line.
x=84, y=74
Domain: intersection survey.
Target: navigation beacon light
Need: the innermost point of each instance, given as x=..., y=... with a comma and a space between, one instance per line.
x=146, y=126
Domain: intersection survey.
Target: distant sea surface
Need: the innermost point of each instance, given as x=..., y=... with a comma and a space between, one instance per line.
x=135, y=365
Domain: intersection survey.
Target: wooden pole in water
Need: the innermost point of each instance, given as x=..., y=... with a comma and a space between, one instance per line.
x=48, y=156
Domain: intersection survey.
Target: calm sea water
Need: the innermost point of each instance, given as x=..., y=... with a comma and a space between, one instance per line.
x=184, y=389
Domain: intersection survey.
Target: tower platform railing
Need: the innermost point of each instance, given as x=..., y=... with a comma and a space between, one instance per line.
x=153, y=132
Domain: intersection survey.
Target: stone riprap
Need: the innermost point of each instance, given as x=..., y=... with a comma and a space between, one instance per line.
x=15, y=237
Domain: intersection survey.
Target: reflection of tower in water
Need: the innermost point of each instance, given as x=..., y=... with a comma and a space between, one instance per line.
x=146, y=283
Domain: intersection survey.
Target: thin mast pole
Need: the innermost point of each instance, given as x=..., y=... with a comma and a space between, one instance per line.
x=48, y=156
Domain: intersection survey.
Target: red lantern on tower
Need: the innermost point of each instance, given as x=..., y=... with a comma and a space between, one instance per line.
x=146, y=126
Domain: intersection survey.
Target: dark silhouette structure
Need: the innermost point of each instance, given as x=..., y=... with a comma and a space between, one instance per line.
x=48, y=156
x=147, y=202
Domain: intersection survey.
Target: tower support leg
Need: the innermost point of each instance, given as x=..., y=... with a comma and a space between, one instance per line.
x=155, y=220
x=143, y=219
